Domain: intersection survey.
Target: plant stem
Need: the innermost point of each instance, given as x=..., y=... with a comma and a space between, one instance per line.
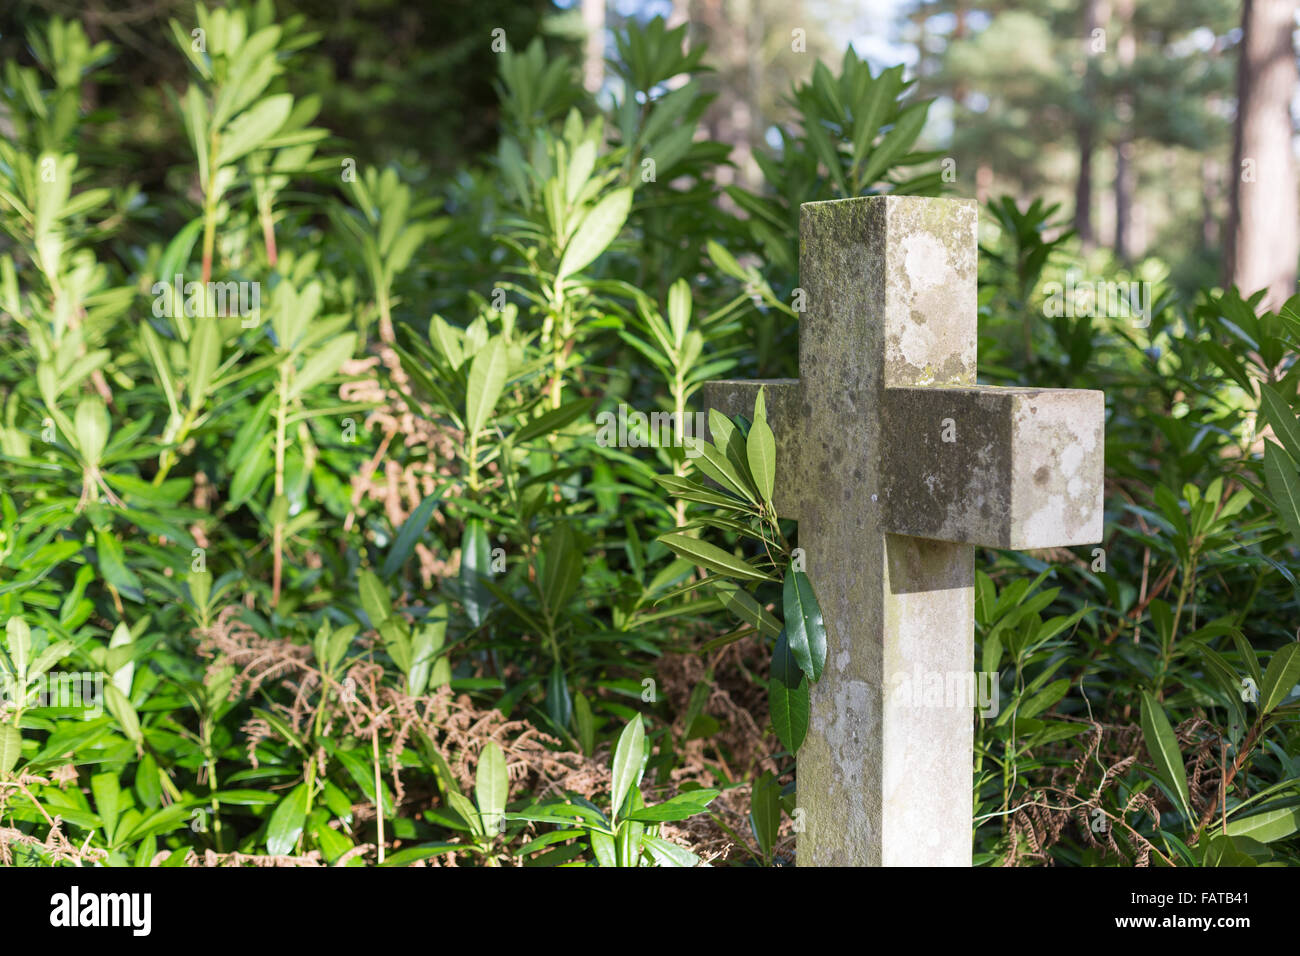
x=268, y=234
x=679, y=419
x=277, y=566
x=385, y=314
x=209, y=211
x=168, y=458
x=214, y=803
x=471, y=463
x=379, y=794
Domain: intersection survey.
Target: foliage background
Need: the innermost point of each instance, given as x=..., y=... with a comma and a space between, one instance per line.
x=361, y=582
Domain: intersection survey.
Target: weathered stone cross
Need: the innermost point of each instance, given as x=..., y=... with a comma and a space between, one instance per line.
x=896, y=464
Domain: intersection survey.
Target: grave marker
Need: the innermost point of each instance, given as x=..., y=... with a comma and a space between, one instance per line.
x=896, y=464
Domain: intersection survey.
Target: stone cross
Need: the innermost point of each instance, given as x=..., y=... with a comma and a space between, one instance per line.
x=896, y=464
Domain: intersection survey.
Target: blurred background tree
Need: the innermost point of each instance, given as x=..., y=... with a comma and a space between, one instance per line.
x=398, y=80
x=1124, y=112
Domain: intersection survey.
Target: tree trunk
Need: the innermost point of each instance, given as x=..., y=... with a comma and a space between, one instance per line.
x=724, y=26
x=1096, y=12
x=983, y=182
x=1265, y=224
x=1083, y=187
x=1209, y=191
x=593, y=58
x=1125, y=175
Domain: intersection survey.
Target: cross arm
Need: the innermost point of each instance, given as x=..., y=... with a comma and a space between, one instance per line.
x=782, y=400
x=1000, y=467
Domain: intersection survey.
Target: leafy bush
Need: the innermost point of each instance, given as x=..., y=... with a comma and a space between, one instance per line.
x=329, y=528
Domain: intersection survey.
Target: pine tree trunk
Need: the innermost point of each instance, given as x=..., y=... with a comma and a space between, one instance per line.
x=1096, y=12
x=1264, y=229
x=593, y=58
x=1210, y=175
x=1125, y=175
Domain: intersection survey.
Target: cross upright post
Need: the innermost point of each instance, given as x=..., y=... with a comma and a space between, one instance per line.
x=896, y=465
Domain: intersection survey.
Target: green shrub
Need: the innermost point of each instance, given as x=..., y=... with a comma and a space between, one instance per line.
x=334, y=533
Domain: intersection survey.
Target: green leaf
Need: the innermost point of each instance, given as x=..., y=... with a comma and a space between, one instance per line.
x=602, y=848
x=722, y=430
x=196, y=122
x=125, y=674
x=805, y=629
x=628, y=758
x=422, y=851
x=112, y=565
x=669, y=854
x=323, y=363
x=825, y=150
x=466, y=810
x=553, y=421
x=718, y=466
x=712, y=557
x=374, y=598
x=475, y=565
x=1219, y=850
x=238, y=798
x=92, y=429
x=992, y=654
x=421, y=644
x=581, y=164
x=740, y=603
x=487, y=377
x=1163, y=748
x=584, y=723
x=205, y=356
x=160, y=821
x=725, y=261
x=448, y=341
x=124, y=713
x=559, y=706
x=761, y=448
x=409, y=535
x=1267, y=827
x=787, y=694
x=1044, y=699
x=599, y=228
x=18, y=640
x=107, y=793
x=177, y=254
x=491, y=788
x=679, y=309
x=1248, y=658
x=286, y=822
x=1283, y=488
x=765, y=812
x=52, y=654
x=1281, y=677
x=1279, y=415
x=253, y=127
x=562, y=572
x=870, y=108
x=396, y=635
x=11, y=748
x=689, y=490
x=896, y=142
x=1228, y=362
x=251, y=469
x=681, y=807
